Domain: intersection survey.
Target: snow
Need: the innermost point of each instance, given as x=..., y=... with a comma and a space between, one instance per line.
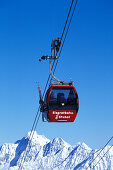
x=42, y=140
x=53, y=155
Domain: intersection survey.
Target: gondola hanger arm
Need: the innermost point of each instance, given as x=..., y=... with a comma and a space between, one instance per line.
x=55, y=46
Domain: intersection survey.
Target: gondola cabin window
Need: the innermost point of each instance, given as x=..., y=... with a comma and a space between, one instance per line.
x=62, y=98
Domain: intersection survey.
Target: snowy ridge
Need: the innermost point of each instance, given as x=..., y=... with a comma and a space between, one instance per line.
x=42, y=140
x=53, y=155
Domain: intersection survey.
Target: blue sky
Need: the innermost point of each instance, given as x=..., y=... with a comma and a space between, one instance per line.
x=26, y=32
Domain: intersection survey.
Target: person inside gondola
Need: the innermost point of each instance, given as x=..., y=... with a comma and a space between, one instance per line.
x=70, y=99
x=61, y=99
x=52, y=99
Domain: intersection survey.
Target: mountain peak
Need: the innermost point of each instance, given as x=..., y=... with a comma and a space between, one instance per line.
x=83, y=145
x=60, y=141
x=56, y=154
x=37, y=139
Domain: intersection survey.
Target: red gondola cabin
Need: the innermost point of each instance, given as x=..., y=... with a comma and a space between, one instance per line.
x=60, y=104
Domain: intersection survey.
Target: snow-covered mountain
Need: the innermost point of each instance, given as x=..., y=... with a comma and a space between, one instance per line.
x=44, y=154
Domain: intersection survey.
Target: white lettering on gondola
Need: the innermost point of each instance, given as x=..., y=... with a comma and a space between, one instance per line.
x=62, y=115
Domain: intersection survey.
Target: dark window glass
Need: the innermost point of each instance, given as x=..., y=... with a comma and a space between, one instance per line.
x=62, y=98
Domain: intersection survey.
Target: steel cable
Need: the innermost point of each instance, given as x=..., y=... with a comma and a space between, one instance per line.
x=103, y=156
x=65, y=35
x=67, y=19
x=100, y=152
x=37, y=117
